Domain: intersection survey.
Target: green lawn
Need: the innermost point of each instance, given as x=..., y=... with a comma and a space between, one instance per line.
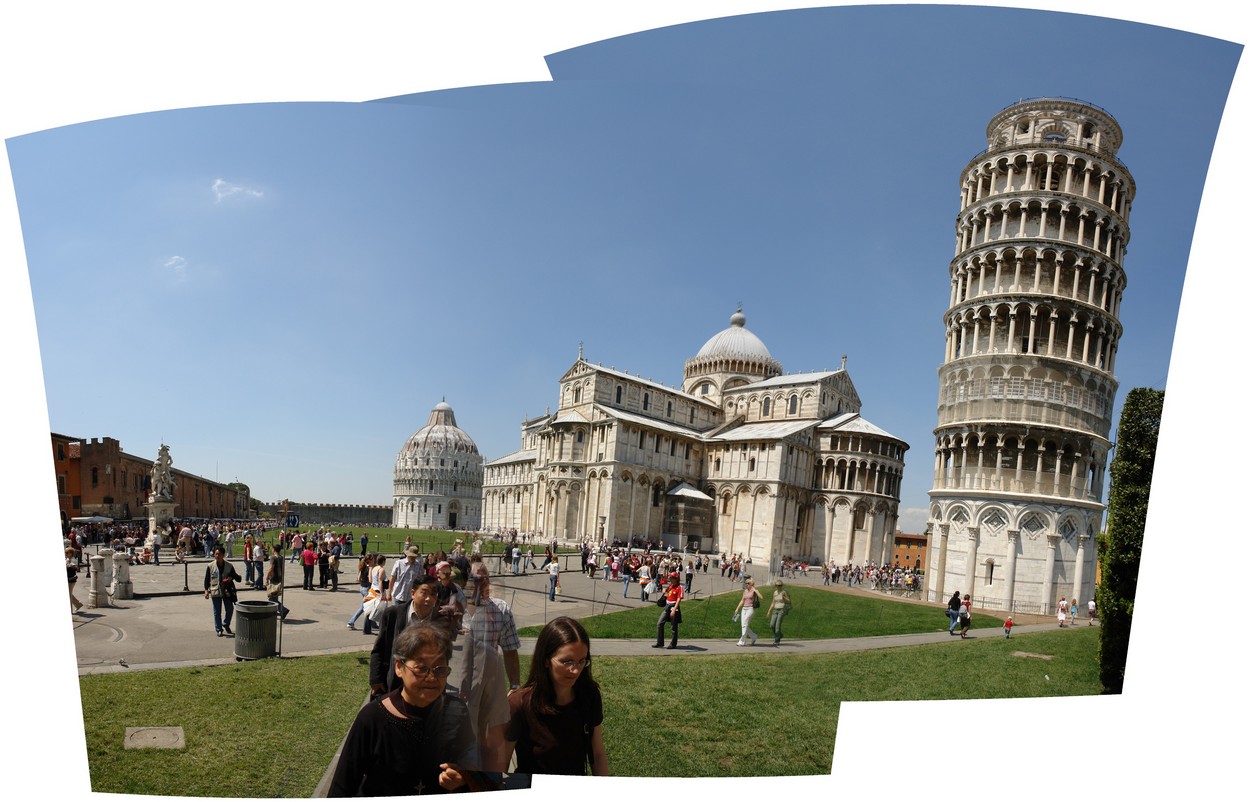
x=817, y=614
x=263, y=728
x=391, y=541
x=682, y=717
x=270, y=727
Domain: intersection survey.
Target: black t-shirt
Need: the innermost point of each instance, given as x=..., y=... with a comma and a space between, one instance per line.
x=557, y=743
x=384, y=755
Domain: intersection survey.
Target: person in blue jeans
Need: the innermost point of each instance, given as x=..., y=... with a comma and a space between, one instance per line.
x=365, y=566
x=952, y=611
x=553, y=579
x=219, y=585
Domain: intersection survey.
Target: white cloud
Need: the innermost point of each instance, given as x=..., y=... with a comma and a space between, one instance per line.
x=176, y=263
x=913, y=520
x=224, y=189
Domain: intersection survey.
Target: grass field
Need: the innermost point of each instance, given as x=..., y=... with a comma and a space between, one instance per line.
x=684, y=717
x=391, y=541
x=817, y=614
x=270, y=727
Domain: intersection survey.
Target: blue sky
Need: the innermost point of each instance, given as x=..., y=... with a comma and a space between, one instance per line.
x=309, y=279
x=74, y=61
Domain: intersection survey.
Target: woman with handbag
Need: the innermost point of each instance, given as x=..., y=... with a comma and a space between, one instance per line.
x=71, y=569
x=777, y=609
x=377, y=589
x=750, y=600
x=363, y=567
x=557, y=716
x=644, y=580
x=273, y=583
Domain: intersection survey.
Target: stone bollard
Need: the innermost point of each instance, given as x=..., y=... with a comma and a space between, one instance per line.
x=97, y=596
x=123, y=588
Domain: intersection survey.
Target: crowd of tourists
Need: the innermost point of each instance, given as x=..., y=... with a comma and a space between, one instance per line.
x=424, y=730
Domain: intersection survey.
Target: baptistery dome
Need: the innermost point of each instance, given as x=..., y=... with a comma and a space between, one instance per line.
x=438, y=476
x=440, y=433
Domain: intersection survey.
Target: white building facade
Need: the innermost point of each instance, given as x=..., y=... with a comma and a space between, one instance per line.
x=1027, y=387
x=438, y=477
x=741, y=459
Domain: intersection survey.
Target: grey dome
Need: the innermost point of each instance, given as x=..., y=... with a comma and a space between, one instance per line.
x=439, y=435
x=734, y=342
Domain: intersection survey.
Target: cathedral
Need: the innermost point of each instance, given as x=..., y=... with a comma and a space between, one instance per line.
x=743, y=458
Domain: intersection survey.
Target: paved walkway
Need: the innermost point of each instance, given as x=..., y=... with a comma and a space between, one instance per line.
x=166, y=626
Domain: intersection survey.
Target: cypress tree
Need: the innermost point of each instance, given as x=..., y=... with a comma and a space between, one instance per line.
x=1131, y=470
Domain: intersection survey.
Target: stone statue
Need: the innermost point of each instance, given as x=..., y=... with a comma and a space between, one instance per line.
x=163, y=476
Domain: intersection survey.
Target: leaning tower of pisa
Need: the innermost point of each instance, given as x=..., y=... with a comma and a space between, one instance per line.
x=1027, y=384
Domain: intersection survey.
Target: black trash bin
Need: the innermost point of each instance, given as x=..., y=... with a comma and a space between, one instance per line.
x=256, y=623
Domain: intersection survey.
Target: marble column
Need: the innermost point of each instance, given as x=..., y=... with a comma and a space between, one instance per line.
x=970, y=571
x=1048, y=583
x=1078, y=592
x=1013, y=546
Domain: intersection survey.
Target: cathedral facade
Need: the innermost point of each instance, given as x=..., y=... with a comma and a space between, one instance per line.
x=1027, y=387
x=742, y=458
x=438, y=477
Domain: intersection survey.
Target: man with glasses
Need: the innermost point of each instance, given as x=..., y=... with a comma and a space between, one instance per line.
x=491, y=630
x=395, y=619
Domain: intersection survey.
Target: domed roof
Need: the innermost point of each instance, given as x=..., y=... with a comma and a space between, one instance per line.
x=735, y=342
x=440, y=434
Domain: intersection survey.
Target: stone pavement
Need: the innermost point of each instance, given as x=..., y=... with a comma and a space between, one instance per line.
x=165, y=626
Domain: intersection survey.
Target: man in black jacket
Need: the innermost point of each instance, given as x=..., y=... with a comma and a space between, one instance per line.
x=219, y=585
x=396, y=618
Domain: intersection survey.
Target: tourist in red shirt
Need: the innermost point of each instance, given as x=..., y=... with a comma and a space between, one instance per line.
x=672, y=612
x=309, y=559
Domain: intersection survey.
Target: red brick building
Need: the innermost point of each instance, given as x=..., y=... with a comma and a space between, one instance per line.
x=910, y=551
x=95, y=477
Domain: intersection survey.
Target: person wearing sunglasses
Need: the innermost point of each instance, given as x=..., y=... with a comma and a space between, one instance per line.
x=557, y=716
x=416, y=739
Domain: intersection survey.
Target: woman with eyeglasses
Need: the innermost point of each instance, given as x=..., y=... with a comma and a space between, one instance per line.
x=416, y=739
x=557, y=716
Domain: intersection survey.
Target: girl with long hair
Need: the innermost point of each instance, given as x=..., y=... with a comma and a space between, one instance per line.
x=557, y=716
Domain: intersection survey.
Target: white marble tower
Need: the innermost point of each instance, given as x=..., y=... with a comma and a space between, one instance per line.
x=1027, y=385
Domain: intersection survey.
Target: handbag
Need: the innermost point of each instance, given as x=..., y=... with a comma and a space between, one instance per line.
x=380, y=606
x=274, y=589
x=755, y=600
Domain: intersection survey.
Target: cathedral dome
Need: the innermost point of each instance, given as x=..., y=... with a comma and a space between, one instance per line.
x=440, y=435
x=734, y=342
x=731, y=358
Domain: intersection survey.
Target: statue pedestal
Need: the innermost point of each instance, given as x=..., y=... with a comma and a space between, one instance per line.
x=160, y=513
x=123, y=588
x=98, y=595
